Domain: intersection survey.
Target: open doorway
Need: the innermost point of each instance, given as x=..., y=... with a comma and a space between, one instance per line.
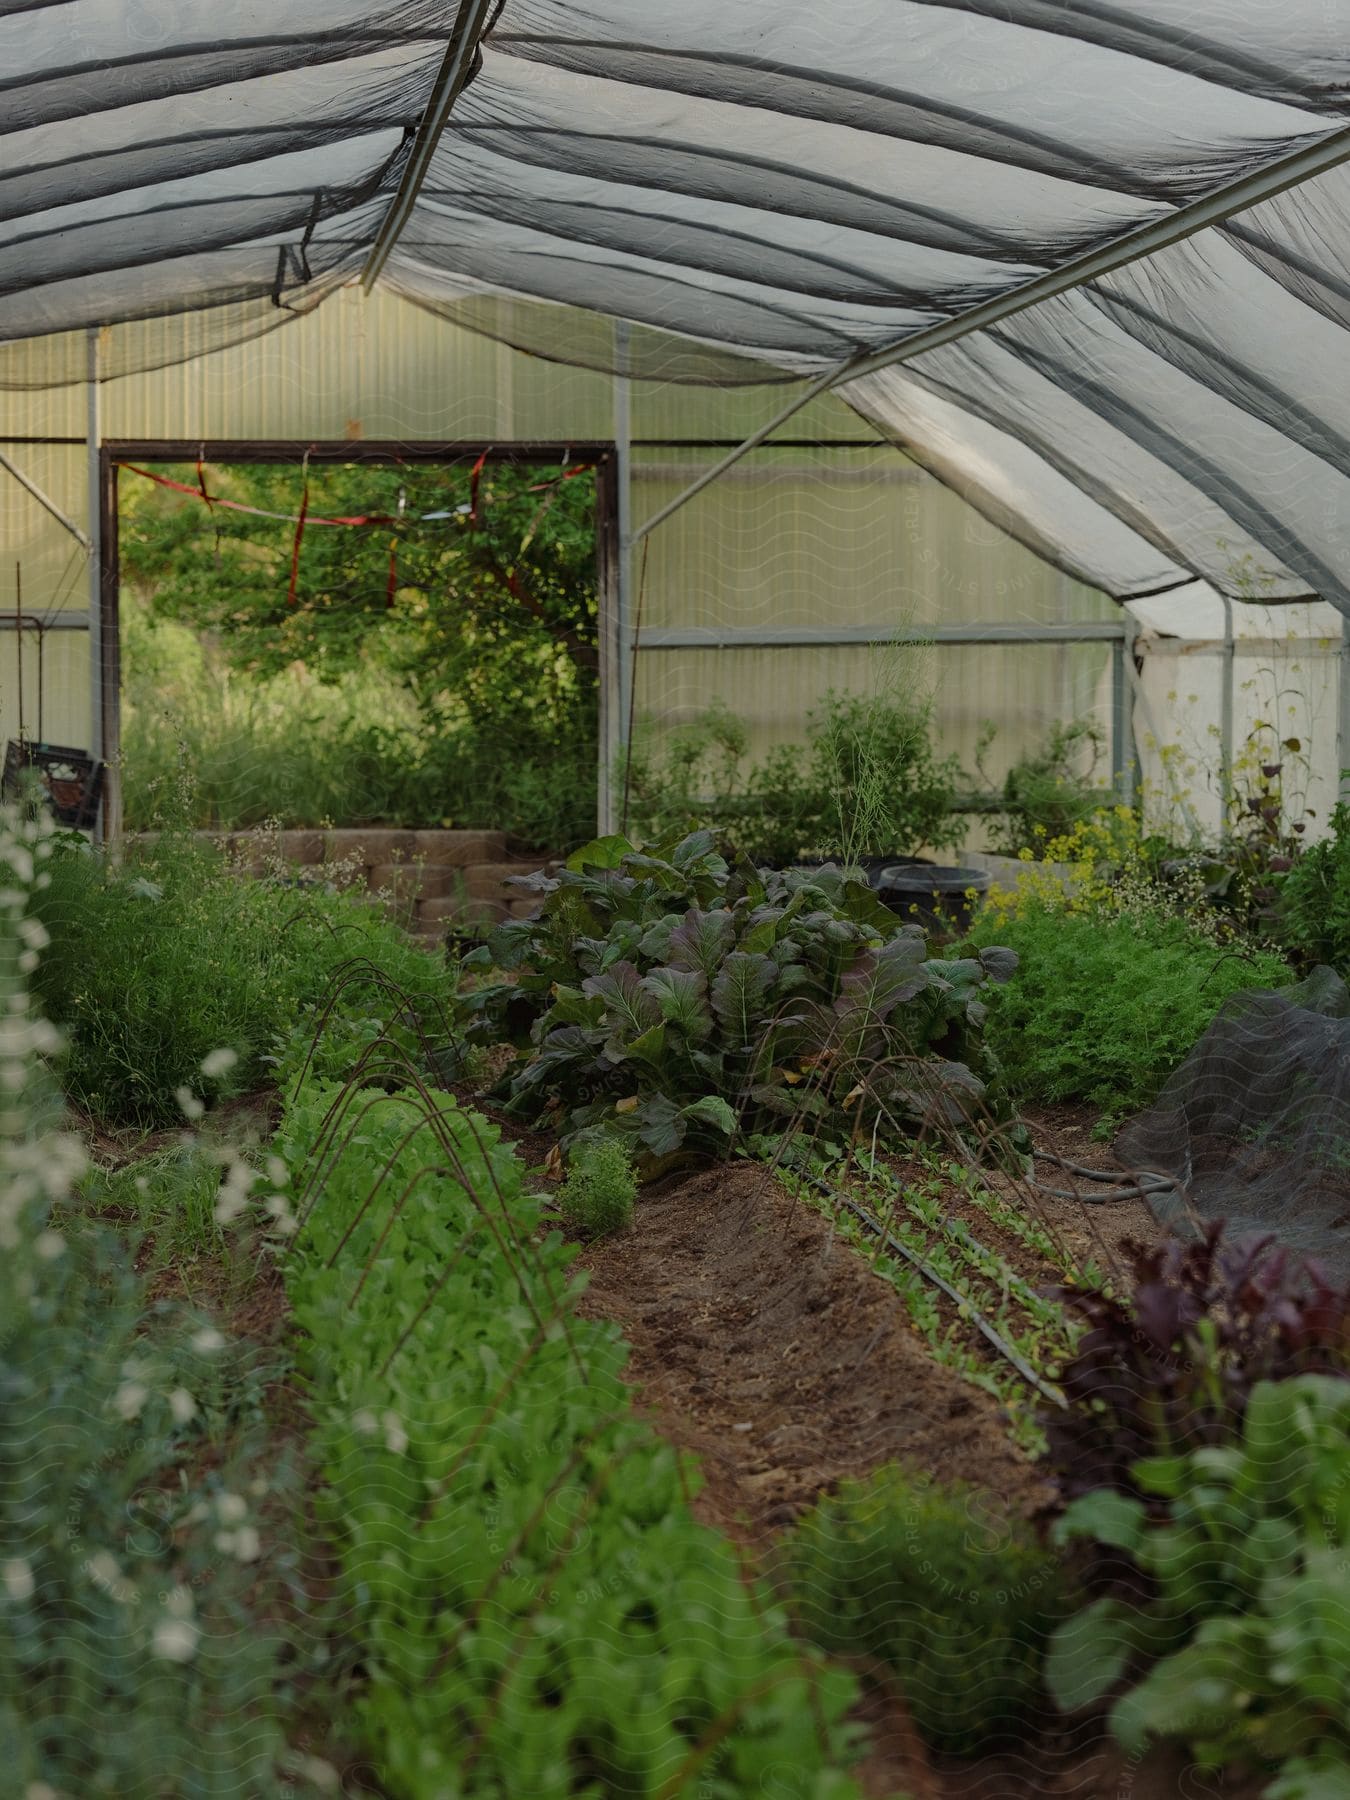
x=356, y=634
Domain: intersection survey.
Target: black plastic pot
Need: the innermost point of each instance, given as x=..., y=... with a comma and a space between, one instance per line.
x=874, y=867
x=939, y=896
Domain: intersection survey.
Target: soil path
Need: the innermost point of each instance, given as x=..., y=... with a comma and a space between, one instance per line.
x=764, y=1343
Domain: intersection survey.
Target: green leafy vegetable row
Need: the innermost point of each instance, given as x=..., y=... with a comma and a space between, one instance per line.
x=540, y=1613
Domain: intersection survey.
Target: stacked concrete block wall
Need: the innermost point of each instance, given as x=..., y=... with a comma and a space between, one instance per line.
x=430, y=881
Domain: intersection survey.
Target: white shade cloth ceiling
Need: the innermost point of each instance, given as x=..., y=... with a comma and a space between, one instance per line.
x=763, y=190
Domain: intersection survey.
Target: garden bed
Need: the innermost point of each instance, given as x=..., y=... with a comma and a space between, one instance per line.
x=744, y=1307
x=764, y=1344
x=772, y=1467
x=744, y=1303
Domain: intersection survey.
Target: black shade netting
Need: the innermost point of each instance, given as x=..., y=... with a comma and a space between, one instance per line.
x=1254, y=1127
x=755, y=193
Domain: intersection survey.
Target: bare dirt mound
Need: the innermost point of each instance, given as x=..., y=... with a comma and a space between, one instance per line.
x=763, y=1343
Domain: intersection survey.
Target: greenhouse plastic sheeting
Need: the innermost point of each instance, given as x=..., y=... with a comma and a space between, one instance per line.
x=765, y=191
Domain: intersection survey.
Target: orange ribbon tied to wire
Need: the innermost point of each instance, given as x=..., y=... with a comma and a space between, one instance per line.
x=475, y=476
x=207, y=496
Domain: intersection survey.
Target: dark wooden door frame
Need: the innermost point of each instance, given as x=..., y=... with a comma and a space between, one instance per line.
x=388, y=452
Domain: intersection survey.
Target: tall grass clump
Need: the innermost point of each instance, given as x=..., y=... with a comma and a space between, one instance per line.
x=178, y=961
x=959, y=1604
x=361, y=748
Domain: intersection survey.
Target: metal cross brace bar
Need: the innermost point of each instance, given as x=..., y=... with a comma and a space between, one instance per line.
x=1141, y=241
x=62, y=621
x=45, y=500
x=709, y=637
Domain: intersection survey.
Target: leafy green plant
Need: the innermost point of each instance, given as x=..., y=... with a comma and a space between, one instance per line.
x=781, y=812
x=1048, y=791
x=866, y=783
x=1173, y=1366
x=1314, y=899
x=600, y=1191
x=671, y=991
x=536, y=1609
x=1103, y=1007
x=1248, y=1628
x=175, y=962
x=958, y=1601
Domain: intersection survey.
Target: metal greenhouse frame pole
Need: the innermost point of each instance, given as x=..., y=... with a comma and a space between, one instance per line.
x=453, y=77
x=1124, y=751
x=1143, y=240
x=616, y=599
x=1226, y=666
x=94, y=545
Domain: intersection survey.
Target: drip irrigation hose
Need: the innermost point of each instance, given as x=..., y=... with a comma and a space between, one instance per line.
x=1116, y=1195
x=925, y=1268
x=1138, y=1187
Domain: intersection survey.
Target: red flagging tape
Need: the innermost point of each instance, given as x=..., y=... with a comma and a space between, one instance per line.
x=201, y=492
x=295, y=542
x=474, y=478
x=260, y=512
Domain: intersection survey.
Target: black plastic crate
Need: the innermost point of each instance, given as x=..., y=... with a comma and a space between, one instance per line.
x=72, y=778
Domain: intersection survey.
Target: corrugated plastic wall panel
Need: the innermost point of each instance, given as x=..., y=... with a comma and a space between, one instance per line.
x=821, y=537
